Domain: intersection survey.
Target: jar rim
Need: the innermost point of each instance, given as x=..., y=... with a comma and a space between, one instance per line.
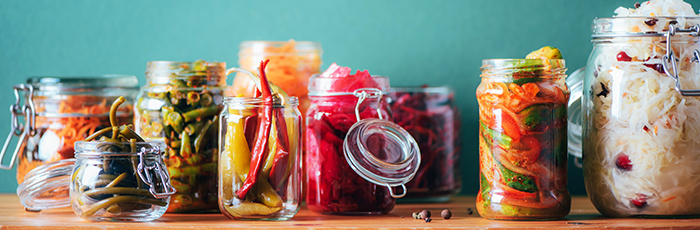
x=639, y=26
x=423, y=89
x=318, y=86
x=252, y=101
x=299, y=46
x=81, y=83
x=90, y=148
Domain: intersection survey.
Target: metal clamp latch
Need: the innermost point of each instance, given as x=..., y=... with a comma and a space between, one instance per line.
x=24, y=131
x=368, y=93
x=145, y=171
x=671, y=57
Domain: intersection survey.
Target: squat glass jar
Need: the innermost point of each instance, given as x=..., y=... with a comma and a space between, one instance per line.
x=276, y=190
x=180, y=105
x=354, y=154
x=523, y=139
x=107, y=181
x=58, y=111
x=641, y=126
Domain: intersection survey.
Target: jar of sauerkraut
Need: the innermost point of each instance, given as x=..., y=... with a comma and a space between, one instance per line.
x=641, y=112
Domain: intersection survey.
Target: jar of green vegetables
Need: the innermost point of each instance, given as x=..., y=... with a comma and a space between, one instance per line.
x=179, y=105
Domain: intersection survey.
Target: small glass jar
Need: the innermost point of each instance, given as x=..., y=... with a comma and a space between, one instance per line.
x=641, y=126
x=291, y=65
x=431, y=116
x=107, y=181
x=180, y=105
x=352, y=158
x=275, y=192
x=59, y=111
x=522, y=139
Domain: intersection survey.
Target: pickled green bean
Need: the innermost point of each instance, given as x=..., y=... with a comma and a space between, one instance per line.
x=116, y=181
x=94, y=208
x=200, y=113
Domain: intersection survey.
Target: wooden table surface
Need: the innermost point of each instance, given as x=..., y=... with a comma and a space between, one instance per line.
x=583, y=216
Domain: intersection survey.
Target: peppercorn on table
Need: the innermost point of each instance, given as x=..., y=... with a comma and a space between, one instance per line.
x=583, y=216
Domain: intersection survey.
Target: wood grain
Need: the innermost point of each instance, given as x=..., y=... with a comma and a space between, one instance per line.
x=583, y=216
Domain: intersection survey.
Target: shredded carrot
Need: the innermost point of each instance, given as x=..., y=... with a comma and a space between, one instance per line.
x=81, y=116
x=668, y=199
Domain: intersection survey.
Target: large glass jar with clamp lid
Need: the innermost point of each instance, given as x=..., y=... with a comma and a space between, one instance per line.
x=57, y=112
x=641, y=116
x=355, y=155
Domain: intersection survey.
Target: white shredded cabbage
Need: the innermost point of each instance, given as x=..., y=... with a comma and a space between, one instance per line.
x=645, y=118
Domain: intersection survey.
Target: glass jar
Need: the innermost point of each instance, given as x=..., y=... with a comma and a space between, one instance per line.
x=640, y=121
x=352, y=158
x=107, y=181
x=430, y=115
x=291, y=65
x=58, y=111
x=180, y=105
x=522, y=139
x=276, y=192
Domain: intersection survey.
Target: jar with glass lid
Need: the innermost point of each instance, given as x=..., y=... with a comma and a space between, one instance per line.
x=57, y=112
x=355, y=156
x=640, y=119
x=180, y=105
x=107, y=181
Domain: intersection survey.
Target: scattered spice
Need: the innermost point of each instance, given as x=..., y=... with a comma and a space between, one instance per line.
x=637, y=5
x=651, y=22
x=425, y=214
x=415, y=215
x=604, y=92
x=427, y=220
x=470, y=211
x=446, y=214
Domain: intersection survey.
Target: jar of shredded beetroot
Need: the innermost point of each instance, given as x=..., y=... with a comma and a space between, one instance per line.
x=430, y=115
x=57, y=112
x=355, y=155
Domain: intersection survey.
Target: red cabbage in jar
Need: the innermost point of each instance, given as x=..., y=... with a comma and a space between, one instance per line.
x=332, y=186
x=429, y=114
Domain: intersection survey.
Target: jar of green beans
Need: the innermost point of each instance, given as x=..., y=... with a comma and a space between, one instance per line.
x=180, y=105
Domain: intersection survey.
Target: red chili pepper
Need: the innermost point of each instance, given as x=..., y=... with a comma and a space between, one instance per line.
x=279, y=164
x=260, y=149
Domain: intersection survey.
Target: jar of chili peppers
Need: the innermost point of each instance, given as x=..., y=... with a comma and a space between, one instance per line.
x=430, y=115
x=180, y=105
x=522, y=141
x=354, y=154
x=276, y=192
x=58, y=111
x=291, y=65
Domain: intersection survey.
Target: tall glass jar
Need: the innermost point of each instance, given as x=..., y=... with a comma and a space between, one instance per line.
x=58, y=111
x=431, y=116
x=522, y=139
x=180, y=105
x=291, y=65
x=641, y=126
x=353, y=159
x=276, y=192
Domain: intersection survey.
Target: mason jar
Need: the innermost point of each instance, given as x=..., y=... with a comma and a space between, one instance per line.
x=180, y=105
x=107, y=181
x=431, y=116
x=274, y=193
x=641, y=128
x=291, y=65
x=58, y=111
x=523, y=139
x=354, y=155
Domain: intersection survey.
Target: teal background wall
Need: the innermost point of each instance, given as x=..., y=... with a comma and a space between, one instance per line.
x=413, y=42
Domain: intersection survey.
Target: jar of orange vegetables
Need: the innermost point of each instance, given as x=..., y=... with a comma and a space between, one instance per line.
x=291, y=65
x=57, y=112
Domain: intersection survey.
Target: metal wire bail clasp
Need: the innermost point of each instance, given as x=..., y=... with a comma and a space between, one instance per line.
x=367, y=93
x=670, y=58
x=145, y=171
x=24, y=131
